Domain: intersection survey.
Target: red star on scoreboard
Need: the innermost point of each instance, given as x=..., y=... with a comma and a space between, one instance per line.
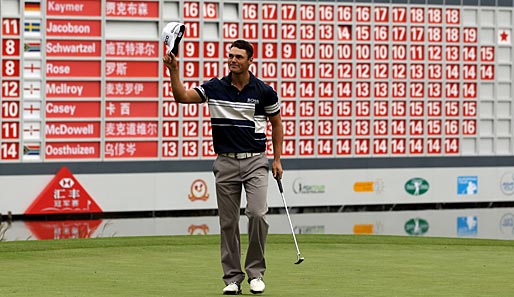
x=504, y=37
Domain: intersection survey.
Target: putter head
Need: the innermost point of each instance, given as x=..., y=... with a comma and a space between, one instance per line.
x=171, y=36
x=299, y=260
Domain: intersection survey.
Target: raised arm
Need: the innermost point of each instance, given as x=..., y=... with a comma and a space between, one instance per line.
x=179, y=92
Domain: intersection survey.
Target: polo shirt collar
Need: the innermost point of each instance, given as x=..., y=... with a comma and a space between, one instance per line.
x=227, y=80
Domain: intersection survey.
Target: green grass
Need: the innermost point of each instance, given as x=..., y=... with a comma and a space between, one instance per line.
x=335, y=265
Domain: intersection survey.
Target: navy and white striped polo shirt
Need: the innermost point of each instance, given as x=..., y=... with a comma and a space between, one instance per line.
x=238, y=119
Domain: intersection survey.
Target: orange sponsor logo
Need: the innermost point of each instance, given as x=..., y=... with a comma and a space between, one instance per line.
x=199, y=190
x=363, y=229
x=198, y=229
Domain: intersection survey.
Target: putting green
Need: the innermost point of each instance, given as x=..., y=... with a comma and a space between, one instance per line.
x=335, y=265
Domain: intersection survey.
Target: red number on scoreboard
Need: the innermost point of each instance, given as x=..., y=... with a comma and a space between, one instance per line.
x=452, y=16
x=469, y=127
x=434, y=127
x=289, y=12
x=344, y=51
x=435, y=34
x=206, y=128
x=9, y=151
x=269, y=31
x=11, y=47
x=380, y=128
x=398, y=127
x=417, y=34
x=170, y=149
x=469, y=53
x=326, y=13
x=451, y=108
x=434, y=90
x=434, y=108
x=452, y=34
x=417, y=15
x=399, y=89
x=11, y=68
x=361, y=146
x=398, y=146
x=190, y=129
x=344, y=128
x=399, y=33
x=487, y=54
x=416, y=127
x=363, y=52
x=307, y=89
x=399, y=14
x=270, y=51
x=344, y=146
x=381, y=14
x=307, y=51
x=363, y=14
x=433, y=146
x=170, y=129
x=326, y=108
x=250, y=11
x=380, y=146
x=416, y=146
x=469, y=108
x=326, y=32
x=269, y=11
x=250, y=31
x=344, y=89
x=10, y=89
x=288, y=147
x=11, y=130
x=10, y=27
x=344, y=108
x=192, y=30
x=435, y=15
x=190, y=149
x=451, y=145
x=208, y=148
x=362, y=33
x=362, y=127
x=344, y=13
x=307, y=109
x=469, y=35
x=487, y=72
x=306, y=147
x=325, y=128
x=11, y=109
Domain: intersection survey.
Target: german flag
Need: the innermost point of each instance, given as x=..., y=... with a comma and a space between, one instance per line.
x=32, y=7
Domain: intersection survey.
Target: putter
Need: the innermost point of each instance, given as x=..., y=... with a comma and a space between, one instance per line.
x=299, y=258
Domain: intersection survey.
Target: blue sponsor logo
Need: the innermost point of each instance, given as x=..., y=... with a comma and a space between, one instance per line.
x=467, y=185
x=467, y=226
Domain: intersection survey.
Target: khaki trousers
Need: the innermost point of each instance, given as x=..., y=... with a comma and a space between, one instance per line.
x=231, y=175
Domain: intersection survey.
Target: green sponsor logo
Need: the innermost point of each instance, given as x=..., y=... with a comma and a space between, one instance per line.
x=416, y=186
x=416, y=226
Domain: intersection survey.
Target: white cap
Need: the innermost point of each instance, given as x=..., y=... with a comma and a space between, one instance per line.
x=171, y=36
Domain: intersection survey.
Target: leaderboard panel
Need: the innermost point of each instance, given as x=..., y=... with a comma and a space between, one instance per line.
x=84, y=80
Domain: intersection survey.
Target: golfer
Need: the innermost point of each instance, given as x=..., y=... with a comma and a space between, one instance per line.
x=240, y=105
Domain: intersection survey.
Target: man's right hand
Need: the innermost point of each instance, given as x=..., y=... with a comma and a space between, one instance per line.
x=170, y=61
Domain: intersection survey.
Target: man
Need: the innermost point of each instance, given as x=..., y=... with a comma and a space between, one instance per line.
x=239, y=105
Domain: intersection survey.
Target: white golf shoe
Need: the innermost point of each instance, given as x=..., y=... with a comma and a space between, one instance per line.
x=257, y=286
x=232, y=289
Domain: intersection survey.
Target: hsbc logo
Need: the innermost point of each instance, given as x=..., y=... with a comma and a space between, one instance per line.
x=66, y=183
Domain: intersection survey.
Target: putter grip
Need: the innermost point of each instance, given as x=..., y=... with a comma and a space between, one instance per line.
x=277, y=177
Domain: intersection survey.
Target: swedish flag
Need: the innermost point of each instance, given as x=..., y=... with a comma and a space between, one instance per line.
x=32, y=26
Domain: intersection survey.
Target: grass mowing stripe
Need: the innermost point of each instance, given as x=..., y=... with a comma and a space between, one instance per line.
x=335, y=265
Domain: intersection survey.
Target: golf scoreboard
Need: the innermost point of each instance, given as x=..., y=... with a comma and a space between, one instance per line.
x=83, y=80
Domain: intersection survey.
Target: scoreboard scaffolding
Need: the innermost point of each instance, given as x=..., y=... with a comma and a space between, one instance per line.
x=84, y=80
